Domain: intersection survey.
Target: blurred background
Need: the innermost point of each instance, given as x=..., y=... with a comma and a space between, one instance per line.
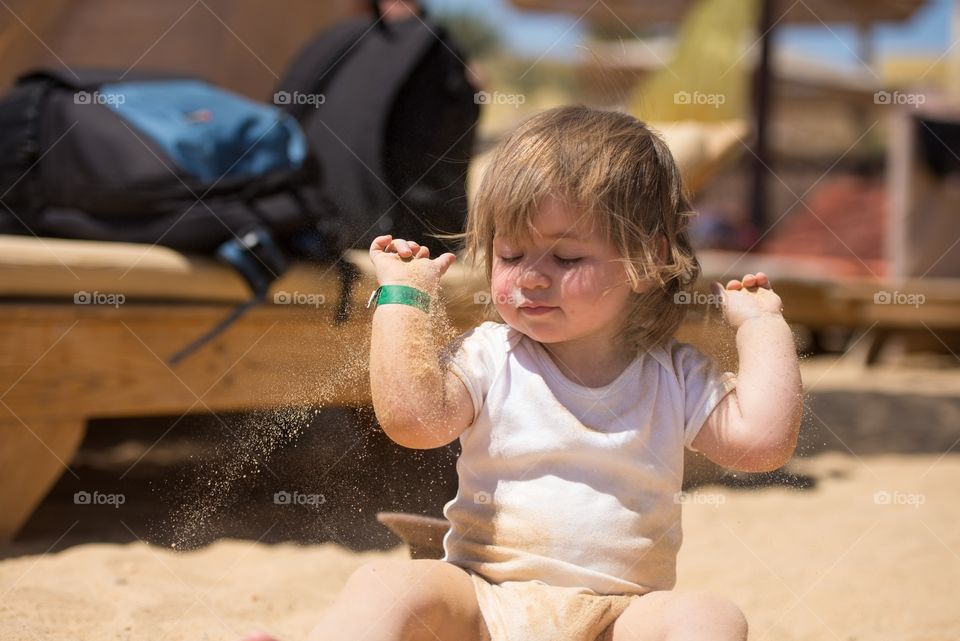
x=820, y=142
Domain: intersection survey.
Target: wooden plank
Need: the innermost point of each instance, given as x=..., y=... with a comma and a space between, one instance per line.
x=92, y=361
x=33, y=454
x=86, y=364
x=51, y=268
x=57, y=268
x=816, y=294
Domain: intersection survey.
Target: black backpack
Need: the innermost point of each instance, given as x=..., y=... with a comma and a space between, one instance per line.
x=394, y=160
x=150, y=158
x=382, y=148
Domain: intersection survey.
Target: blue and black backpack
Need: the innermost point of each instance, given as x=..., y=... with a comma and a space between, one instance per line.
x=369, y=132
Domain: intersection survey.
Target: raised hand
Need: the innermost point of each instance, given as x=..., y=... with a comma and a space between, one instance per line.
x=747, y=298
x=406, y=262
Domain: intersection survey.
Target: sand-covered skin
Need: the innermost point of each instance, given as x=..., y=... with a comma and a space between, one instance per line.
x=826, y=563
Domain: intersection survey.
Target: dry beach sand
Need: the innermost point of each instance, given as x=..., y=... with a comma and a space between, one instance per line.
x=860, y=542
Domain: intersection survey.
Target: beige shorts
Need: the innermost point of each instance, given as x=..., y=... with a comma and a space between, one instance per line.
x=535, y=611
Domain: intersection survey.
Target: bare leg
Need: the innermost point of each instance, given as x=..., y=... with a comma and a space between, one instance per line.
x=415, y=600
x=421, y=599
x=679, y=616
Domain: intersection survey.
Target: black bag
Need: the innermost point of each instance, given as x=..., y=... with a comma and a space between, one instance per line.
x=390, y=116
x=152, y=159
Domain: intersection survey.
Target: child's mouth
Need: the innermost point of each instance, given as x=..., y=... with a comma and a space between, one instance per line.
x=537, y=311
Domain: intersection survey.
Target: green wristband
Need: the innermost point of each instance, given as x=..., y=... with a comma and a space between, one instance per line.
x=402, y=295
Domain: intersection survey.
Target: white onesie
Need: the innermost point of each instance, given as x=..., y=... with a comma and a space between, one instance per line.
x=571, y=485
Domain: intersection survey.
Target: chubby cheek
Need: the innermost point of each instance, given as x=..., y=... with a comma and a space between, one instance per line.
x=583, y=289
x=503, y=290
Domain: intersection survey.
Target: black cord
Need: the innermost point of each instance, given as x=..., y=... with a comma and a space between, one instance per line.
x=217, y=329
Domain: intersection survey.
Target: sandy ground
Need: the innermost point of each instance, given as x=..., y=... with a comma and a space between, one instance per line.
x=831, y=562
x=860, y=541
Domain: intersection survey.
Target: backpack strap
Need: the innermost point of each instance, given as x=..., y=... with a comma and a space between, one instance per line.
x=20, y=146
x=241, y=256
x=257, y=258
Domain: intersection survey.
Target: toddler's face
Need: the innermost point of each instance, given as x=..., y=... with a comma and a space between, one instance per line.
x=563, y=284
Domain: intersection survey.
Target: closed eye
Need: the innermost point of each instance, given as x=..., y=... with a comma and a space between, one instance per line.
x=559, y=259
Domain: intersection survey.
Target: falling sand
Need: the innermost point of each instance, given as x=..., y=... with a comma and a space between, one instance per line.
x=250, y=442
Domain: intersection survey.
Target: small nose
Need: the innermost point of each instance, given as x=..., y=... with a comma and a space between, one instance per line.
x=532, y=277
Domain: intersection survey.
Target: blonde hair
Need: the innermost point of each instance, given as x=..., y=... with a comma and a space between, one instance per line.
x=616, y=170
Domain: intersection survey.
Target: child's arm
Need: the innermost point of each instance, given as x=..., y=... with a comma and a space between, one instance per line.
x=755, y=427
x=416, y=404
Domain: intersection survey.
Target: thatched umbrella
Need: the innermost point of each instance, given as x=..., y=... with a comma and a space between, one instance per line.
x=770, y=14
x=640, y=12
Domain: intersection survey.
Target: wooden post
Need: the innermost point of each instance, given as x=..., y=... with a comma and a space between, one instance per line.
x=953, y=54
x=761, y=160
x=33, y=455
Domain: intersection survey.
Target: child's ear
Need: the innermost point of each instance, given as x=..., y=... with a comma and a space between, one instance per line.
x=662, y=249
x=642, y=287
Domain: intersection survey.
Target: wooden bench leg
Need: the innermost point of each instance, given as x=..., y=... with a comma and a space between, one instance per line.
x=33, y=455
x=865, y=347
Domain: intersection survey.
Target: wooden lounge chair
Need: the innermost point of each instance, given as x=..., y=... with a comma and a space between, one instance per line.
x=65, y=361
